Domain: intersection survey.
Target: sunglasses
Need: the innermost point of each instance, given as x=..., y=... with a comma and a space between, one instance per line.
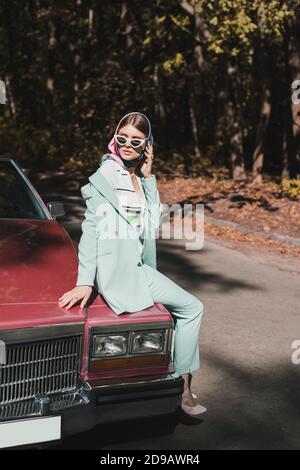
x=135, y=143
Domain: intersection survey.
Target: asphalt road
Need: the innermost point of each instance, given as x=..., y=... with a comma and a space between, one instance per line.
x=247, y=379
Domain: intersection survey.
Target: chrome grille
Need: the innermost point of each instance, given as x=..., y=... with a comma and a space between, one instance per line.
x=18, y=410
x=32, y=407
x=41, y=367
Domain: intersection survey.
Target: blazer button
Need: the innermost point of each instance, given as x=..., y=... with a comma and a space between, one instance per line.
x=139, y=263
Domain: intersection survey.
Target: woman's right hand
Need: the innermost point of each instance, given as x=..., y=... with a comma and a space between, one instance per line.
x=72, y=296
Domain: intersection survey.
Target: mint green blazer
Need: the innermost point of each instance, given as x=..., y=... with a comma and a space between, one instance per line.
x=108, y=254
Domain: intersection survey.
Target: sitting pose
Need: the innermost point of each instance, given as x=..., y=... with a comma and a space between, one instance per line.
x=131, y=283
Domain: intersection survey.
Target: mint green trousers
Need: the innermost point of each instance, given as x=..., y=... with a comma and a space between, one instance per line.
x=187, y=311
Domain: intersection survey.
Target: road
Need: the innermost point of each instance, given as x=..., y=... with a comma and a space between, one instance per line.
x=247, y=379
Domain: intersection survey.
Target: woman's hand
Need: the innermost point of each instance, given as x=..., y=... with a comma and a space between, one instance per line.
x=146, y=166
x=72, y=296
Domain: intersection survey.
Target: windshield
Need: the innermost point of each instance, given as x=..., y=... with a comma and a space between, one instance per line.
x=17, y=201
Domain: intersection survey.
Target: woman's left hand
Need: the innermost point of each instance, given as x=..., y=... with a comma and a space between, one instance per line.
x=146, y=165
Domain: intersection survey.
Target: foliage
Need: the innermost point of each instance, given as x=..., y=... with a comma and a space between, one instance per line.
x=72, y=69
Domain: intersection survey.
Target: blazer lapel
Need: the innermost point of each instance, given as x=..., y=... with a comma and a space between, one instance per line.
x=102, y=185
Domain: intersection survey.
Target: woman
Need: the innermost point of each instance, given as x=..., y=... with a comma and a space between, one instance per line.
x=126, y=180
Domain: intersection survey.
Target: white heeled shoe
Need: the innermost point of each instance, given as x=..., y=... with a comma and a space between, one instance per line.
x=193, y=410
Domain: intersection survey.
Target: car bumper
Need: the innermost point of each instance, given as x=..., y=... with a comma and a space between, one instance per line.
x=122, y=402
x=109, y=403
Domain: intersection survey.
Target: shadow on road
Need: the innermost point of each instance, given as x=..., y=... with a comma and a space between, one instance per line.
x=173, y=261
x=255, y=409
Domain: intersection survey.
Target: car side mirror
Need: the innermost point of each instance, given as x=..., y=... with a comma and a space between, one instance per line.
x=56, y=208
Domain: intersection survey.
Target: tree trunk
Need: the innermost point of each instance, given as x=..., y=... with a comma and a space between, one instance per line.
x=9, y=69
x=91, y=21
x=193, y=116
x=126, y=28
x=288, y=150
x=10, y=99
x=51, y=63
x=77, y=57
x=265, y=110
x=201, y=35
x=160, y=108
x=235, y=125
x=293, y=73
x=264, y=118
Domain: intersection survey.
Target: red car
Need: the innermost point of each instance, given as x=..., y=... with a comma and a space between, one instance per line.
x=62, y=371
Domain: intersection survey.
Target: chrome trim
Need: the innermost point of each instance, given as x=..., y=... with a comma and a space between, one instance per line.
x=170, y=342
x=133, y=326
x=43, y=405
x=43, y=367
x=23, y=335
x=166, y=379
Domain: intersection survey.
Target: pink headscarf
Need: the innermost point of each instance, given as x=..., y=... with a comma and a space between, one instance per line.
x=112, y=146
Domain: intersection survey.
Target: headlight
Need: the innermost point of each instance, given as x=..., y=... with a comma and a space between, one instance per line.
x=110, y=345
x=146, y=342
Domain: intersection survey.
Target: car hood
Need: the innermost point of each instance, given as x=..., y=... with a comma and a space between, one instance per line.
x=38, y=261
x=20, y=315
